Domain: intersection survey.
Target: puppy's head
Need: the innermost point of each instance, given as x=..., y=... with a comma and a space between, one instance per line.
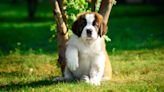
x=89, y=26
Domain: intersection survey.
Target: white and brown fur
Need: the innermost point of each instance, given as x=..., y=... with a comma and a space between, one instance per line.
x=86, y=56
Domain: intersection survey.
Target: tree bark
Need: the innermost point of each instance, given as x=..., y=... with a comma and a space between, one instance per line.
x=62, y=8
x=92, y=4
x=105, y=9
x=62, y=34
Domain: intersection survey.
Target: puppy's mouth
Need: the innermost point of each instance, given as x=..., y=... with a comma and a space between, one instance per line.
x=89, y=38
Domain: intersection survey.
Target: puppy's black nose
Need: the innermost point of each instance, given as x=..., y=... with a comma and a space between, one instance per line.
x=89, y=32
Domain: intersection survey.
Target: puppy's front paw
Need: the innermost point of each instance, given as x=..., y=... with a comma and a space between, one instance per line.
x=58, y=79
x=85, y=78
x=73, y=66
x=95, y=81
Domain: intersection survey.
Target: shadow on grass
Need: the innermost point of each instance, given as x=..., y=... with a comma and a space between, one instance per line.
x=25, y=19
x=33, y=84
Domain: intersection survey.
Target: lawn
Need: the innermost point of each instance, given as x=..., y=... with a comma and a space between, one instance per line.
x=28, y=58
x=133, y=71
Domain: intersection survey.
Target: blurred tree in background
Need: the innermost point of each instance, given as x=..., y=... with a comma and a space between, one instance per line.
x=74, y=6
x=32, y=5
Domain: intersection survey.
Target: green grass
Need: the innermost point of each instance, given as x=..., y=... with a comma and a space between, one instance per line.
x=28, y=58
x=137, y=26
x=136, y=32
x=133, y=71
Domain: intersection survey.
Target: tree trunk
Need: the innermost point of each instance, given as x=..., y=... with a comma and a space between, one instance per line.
x=92, y=4
x=62, y=34
x=61, y=6
x=105, y=9
x=32, y=5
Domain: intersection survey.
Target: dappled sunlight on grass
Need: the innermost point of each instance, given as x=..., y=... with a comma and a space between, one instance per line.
x=138, y=66
x=28, y=65
x=131, y=70
x=16, y=69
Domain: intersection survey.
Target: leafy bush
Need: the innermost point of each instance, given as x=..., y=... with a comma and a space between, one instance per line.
x=73, y=7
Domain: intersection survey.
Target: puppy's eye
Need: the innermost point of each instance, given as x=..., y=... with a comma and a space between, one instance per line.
x=83, y=22
x=94, y=23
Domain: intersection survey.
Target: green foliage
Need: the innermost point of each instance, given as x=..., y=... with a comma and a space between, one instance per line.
x=107, y=38
x=73, y=7
x=114, y=2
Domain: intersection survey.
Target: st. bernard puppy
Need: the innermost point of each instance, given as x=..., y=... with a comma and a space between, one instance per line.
x=86, y=55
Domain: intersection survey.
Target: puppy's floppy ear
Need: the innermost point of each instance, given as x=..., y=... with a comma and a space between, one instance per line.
x=78, y=25
x=102, y=29
x=75, y=28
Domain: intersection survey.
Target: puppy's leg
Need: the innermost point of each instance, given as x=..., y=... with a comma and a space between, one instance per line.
x=72, y=58
x=108, y=69
x=97, y=70
x=67, y=76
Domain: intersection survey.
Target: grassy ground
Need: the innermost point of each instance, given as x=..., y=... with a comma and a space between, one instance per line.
x=28, y=53
x=133, y=71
